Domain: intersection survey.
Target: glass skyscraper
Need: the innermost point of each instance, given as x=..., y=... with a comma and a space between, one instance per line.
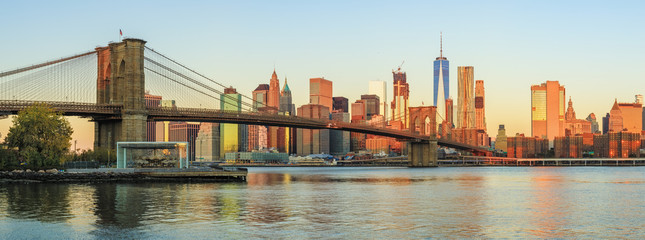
x=441, y=83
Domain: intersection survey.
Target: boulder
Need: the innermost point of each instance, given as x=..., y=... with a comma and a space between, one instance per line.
x=53, y=170
x=41, y=171
x=28, y=170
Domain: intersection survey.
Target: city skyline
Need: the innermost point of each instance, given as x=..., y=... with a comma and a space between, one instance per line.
x=512, y=51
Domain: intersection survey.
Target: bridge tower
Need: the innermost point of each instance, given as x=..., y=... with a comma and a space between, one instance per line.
x=121, y=81
x=423, y=153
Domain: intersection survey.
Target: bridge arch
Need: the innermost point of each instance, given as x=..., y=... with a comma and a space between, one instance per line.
x=428, y=125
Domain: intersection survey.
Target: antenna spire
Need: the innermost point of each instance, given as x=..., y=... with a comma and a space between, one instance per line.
x=441, y=45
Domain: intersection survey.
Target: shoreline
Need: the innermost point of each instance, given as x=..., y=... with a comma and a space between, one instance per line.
x=108, y=176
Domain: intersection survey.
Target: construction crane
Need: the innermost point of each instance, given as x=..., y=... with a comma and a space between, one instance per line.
x=399, y=69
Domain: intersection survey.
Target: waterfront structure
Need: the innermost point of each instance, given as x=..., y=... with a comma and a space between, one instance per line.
x=615, y=118
x=184, y=132
x=256, y=158
x=480, y=113
x=399, y=105
x=632, y=114
x=594, y=124
x=207, y=143
x=617, y=145
x=379, y=88
x=313, y=141
x=568, y=146
x=500, y=139
x=339, y=141
x=372, y=103
x=231, y=134
x=547, y=110
x=321, y=92
x=521, y=146
x=441, y=88
x=341, y=104
x=465, y=97
x=573, y=126
x=151, y=127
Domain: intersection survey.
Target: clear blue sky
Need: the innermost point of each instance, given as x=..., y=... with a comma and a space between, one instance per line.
x=594, y=48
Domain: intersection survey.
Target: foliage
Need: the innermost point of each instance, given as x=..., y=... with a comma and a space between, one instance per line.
x=8, y=159
x=41, y=135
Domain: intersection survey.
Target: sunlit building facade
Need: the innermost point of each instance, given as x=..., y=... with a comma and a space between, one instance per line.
x=229, y=132
x=321, y=92
x=465, y=97
x=399, y=105
x=547, y=110
x=480, y=110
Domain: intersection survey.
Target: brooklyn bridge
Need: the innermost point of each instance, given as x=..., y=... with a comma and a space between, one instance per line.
x=108, y=86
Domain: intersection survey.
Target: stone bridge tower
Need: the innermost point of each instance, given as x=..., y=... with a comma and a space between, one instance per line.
x=121, y=81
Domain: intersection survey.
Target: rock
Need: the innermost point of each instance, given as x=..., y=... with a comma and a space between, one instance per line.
x=17, y=171
x=53, y=170
x=41, y=171
x=28, y=170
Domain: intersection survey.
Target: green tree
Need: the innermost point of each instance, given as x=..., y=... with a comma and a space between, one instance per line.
x=41, y=135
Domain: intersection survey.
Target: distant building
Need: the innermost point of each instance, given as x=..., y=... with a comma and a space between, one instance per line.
x=151, y=126
x=465, y=97
x=575, y=126
x=379, y=88
x=359, y=111
x=399, y=105
x=339, y=141
x=207, y=143
x=617, y=145
x=321, y=92
x=273, y=94
x=568, y=147
x=547, y=110
x=184, y=132
x=605, y=124
x=233, y=137
x=441, y=87
x=526, y=147
x=632, y=116
x=341, y=104
x=313, y=141
x=480, y=113
x=594, y=124
x=615, y=118
x=372, y=103
x=500, y=139
x=286, y=136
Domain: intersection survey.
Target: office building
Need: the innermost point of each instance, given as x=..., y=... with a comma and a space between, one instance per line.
x=399, y=105
x=341, y=104
x=286, y=136
x=547, y=110
x=321, y=92
x=617, y=145
x=605, y=124
x=313, y=141
x=339, y=140
x=615, y=118
x=359, y=111
x=231, y=134
x=480, y=113
x=441, y=81
x=151, y=126
x=594, y=124
x=273, y=94
x=632, y=116
x=286, y=101
x=500, y=139
x=568, y=146
x=184, y=132
x=465, y=97
x=372, y=103
x=379, y=88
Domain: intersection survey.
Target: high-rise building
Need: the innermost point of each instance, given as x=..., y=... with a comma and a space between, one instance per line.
x=258, y=135
x=260, y=97
x=372, y=103
x=632, y=116
x=605, y=123
x=480, y=113
x=379, y=88
x=341, y=104
x=339, y=140
x=230, y=134
x=500, y=139
x=321, y=92
x=449, y=112
x=358, y=110
x=286, y=136
x=594, y=124
x=465, y=97
x=547, y=110
x=273, y=98
x=615, y=118
x=401, y=95
x=207, y=143
x=441, y=80
x=286, y=101
x=313, y=141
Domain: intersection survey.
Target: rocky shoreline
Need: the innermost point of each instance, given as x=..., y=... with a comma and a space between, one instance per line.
x=56, y=176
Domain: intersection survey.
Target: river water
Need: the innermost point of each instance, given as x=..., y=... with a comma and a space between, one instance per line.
x=340, y=203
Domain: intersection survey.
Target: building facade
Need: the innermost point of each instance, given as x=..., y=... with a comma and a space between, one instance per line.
x=500, y=139
x=372, y=103
x=313, y=141
x=321, y=92
x=465, y=97
x=341, y=104
x=207, y=143
x=399, y=105
x=547, y=110
x=480, y=111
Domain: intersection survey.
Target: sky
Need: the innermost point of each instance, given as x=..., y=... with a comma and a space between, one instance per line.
x=594, y=48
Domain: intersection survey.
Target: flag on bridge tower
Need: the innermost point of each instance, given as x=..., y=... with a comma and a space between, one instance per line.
x=120, y=34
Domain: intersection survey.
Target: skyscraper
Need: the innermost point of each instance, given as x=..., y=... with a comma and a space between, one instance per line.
x=321, y=92
x=372, y=104
x=273, y=98
x=399, y=104
x=480, y=113
x=547, y=110
x=286, y=135
x=500, y=140
x=441, y=81
x=286, y=101
x=465, y=97
x=379, y=88
x=341, y=104
x=229, y=132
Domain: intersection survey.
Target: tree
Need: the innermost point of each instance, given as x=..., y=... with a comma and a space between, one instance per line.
x=41, y=135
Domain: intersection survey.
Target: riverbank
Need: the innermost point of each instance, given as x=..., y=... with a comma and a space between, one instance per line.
x=124, y=175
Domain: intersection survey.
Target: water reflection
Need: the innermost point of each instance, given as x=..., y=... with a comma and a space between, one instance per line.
x=341, y=203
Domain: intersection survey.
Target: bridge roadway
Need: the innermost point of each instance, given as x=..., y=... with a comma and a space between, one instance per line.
x=99, y=111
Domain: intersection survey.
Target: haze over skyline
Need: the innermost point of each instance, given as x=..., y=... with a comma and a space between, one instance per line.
x=594, y=49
